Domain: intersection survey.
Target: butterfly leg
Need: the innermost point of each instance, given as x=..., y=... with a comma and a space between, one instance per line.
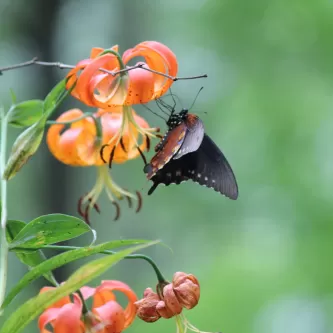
x=85, y=213
x=142, y=155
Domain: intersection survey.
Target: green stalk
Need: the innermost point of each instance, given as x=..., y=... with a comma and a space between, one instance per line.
x=3, y=242
x=158, y=273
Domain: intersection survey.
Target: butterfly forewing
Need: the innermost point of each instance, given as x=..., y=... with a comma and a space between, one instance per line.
x=169, y=147
x=194, y=135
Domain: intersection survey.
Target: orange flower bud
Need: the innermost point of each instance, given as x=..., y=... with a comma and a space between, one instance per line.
x=146, y=307
x=187, y=289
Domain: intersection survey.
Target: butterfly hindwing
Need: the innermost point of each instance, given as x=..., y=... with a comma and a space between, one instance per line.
x=206, y=166
x=212, y=169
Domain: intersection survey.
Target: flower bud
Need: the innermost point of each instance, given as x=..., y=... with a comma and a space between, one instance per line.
x=23, y=148
x=146, y=307
x=186, y=288
x=170, y=305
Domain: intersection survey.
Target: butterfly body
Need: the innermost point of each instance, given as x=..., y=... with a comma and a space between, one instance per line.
x=187, y=153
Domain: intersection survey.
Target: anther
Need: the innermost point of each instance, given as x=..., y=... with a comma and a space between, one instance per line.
x=96, y=207
x=129, y=200
x=147, y=143
x=117, y=210
x=79, y=207
x=122, y=144
x=86, y=215
x=138, y=194
x=111, y=156
x=101, y=153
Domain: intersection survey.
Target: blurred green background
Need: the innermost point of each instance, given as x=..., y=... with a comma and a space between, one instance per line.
x=264, y=261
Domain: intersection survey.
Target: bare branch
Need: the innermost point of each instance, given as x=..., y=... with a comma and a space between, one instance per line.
x=60, y=65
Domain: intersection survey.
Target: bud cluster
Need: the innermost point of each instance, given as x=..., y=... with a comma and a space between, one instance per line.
x=182, y=292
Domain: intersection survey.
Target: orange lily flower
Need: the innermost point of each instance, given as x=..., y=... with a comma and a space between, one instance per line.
x=137, y=86
x=80, y=145
x=106, y=316
x=63, y=316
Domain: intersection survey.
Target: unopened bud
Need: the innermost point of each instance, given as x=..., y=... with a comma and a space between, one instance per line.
x=146, y=307
x=23, y=148
x=169, y=306
x=187, y=289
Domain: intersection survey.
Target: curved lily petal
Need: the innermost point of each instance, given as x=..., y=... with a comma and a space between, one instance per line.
x=159, y=58
x=141, y=86
x=112, y=317
x=87, y=84
x=68, y=320
x=63, y=319
x=64, y=146
x=73, y=76
x=87, y=292
x=113, y=285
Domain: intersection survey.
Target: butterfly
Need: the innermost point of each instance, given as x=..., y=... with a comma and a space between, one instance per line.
x=186, y=152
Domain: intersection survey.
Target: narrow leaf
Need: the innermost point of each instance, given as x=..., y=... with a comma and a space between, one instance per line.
x=36, y=305
x=54, y=96
x=49, y=229
x=30, y=259
x=25, y=113
x=62, y=259
x=12, y=95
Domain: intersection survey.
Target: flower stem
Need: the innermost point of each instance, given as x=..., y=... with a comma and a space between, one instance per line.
x=158, y=273
x=3, y=243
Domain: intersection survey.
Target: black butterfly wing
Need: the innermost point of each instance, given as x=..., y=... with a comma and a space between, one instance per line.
x=213, y=169
x=206, y=166
x=194, y=135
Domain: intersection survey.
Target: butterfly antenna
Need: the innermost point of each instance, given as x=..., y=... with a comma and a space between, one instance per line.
x=156, y=114
x=196, y=97
x=173, y=98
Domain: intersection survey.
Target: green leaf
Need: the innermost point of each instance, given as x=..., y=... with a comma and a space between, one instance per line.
x=49, y=229
x=54, y=96
x=36, y=305
x=25, y=113
x=62, y=259
x=30, y=259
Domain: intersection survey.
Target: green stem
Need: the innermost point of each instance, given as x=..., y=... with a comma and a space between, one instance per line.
x=159, y=275
x=84, y=305
x=3, y=244
x=121, y=63
x=86, y=115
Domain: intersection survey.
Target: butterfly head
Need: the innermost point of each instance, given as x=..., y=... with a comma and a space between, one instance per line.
x=176, y=119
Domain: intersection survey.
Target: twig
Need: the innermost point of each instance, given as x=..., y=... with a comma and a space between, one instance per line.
x=60, y=65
